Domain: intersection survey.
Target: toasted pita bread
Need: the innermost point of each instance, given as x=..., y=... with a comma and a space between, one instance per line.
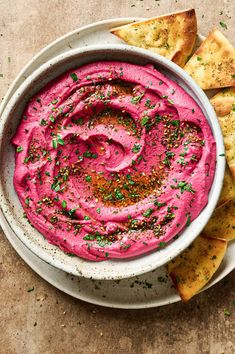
x=222, y=223
x=213, y=64
x=228, y=190
x=224, y=105
x=193, y=269
x=172, y=36
x=223, y=101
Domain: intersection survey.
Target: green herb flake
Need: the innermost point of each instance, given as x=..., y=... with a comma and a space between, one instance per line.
x=27, y=201
x=223, y=25
x=144, y=120
x=148, y=213
x=162, y=244
x=87, y=217
x=136, y=148
x=19, y=149
x=88, y=178
x=43, y=122
x=199, y=58
x=54, y=143
x=74, y=77
x=98, y=210
x=60, y=140
x=227, y=313
x=137, y=99
x=64, y=204
x=54, y=101
x=188, y=221
x=30, y=289
x=175, y=123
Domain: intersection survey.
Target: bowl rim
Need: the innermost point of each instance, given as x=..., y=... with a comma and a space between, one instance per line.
x=215, y=127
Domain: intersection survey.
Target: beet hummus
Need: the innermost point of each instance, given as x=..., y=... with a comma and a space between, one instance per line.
x=113, y=160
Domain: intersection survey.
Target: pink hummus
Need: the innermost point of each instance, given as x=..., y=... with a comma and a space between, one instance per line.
x=113, y=160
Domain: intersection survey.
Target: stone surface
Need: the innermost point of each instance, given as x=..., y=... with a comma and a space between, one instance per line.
x=48, y=321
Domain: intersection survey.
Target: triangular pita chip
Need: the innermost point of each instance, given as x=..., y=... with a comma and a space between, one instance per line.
x=223, y=101
x=213, y=64
x=228, y=190
x=193, y=269
x=222, y=223
x=224, y=104
x=172, y=36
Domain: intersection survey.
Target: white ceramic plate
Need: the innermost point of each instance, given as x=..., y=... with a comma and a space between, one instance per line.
x=138, y=297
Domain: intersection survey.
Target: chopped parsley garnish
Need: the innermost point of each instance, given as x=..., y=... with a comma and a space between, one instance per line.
x=78, y=121
x=30, y=289
x=57, y=141
x=89, y=154
x=162, y=244
x=223, y=25
x=64, y=204
x=175, y=123
x=227, y=313
x=98, y=210
x=136, y=148
x=148, y=213
x=188, y=221
x=54, y=101
x=118, y=194
x=87, y=217
x=88, y=178
x=199, y=58
x=148, y=103
x=158, y=204
x=27, y=201
x=137, y=99
x=184, y=186
x=19, y=149
x=74, y=77
x=144, y=120
x=158, y=118
x=43, y=122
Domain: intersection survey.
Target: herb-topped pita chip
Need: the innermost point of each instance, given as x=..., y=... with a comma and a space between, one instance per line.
x=172, y=36
x=224, y=105
x=193, y=269
x=222, y=223
x=213, y=64
x=228, y=190
x=224, y=101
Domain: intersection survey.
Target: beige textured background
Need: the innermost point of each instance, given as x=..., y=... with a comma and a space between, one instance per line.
x=48, y=321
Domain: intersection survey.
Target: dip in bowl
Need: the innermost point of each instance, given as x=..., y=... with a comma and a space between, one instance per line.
x=115, y=159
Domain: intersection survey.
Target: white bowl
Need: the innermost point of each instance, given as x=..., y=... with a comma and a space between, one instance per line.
x=9, y=202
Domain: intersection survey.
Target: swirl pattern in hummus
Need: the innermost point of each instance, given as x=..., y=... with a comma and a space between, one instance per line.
x=113, y=160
